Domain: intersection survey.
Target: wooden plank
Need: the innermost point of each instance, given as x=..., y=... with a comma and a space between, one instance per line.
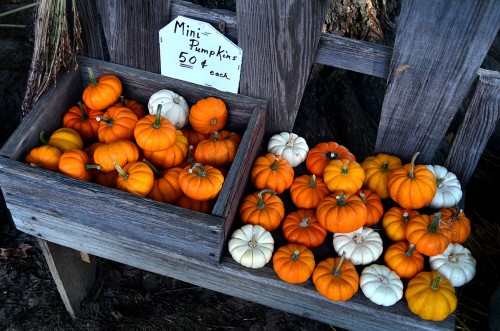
x=475, y=130
x=279, y=40
x=432, y=70
x=94, y=42
x=131, y=28
x=74, y=278
x=138, y=248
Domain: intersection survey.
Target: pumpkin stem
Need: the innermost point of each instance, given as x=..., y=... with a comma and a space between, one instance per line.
x=190, y=156
x=152, y=166
x=216, y=135
x=341, y=200
x=440, y=182
x=363, y=197
x=253, y=242
x=92, y=166
x=295, y=255
x=213, y=121
x=456, y=213
x=409, y=252
x=304, y=223
x=384, y=166
x=108, y=121
x=178, y=100
x=84, y=113
x=411, y=173
x=260, y=202
x=337, y=272
x=345, y=171
x=435, y=222
x=201, y=170
x=331, y=155
x=122, y=101
x=312, y=182
x=157, y=123
x=43, y=138
x=435, y=283
x=92, y=76
x=274, y=166
x=37, y=165
x=406, y=217
x=120, y=170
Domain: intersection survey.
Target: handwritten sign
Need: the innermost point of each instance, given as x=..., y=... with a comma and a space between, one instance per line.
x=196, y=52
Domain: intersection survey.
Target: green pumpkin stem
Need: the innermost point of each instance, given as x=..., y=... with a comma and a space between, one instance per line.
x=341, y=200
x=152, y=166
x=406, y=217
x=331, y=155
x=157, y=123
x=304, y=223
x=92, y=76
x=216, y=135
x=122, y=101
x=363, y=197
x=84, y=113
x=337, y=272
x=92, y=166
x=385, y=166
x=435, y=222
x=201, y=171
x=274, y=166
x=108, y=121
x=411, y=173
x=345, y=170
x=435, y=283
x=295, y=255
x=312, y=182
x=43, y=138
x=409, y=252
x=120, y=170
x=260, y=202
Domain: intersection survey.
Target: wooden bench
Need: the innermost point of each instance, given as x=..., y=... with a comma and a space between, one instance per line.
x=433, y=66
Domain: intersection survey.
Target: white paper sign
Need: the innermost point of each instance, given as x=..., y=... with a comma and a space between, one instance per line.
x=196, y=52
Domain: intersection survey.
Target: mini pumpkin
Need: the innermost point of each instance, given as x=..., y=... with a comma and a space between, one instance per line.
x=174, y=107
x=373, y=204
x=320, y=155
x=456, y=263
x=251, y=245
x=431, y=296
x=344, y=175
x=395, y=220
x=101, y=92
x=272, y=172
x=336, y=278
x=194, y=137
x=302, y=227
x=448, y=188
x=82, y=120
x=381, y=285
x=202, y=184
x=424, y=232
x=116, y=123
x=138, y=108
x=341, y=213
x=119, y=151
x=290, y=146
x=173, y=156
x=378, y=169
x=454, y=224
x=362, y=246
x=75, y=163
x=216, y=151
x=294, y=263
x=64, y=139
x=404, y=259
x=166, y=184
x=262, y=208
x=307, y=191
x=208, y=115
x=154, y=132
x=45, y=156
x=135, y=177
x=196, y=205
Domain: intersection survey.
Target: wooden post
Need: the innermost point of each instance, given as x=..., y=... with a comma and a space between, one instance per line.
x=439, y=47
x=279, y=41
x=476, y=128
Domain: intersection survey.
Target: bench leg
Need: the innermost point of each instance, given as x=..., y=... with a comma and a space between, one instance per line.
x=73, y=275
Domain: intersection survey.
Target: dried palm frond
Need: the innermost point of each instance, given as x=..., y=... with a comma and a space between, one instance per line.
x=57, y=41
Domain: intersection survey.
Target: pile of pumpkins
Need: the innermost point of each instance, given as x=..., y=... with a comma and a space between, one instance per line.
x=338, y=195
x=169, y=152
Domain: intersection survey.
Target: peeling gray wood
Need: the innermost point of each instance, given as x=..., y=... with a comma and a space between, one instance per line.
x=94, y=42
x=479, y=122
x=439, y=47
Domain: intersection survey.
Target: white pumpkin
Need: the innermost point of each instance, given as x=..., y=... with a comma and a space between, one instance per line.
x=381, y=285
x=290, y=146
x=173, y=107
x=456, y=263
x=448, y=188
x=251, y=246
x=362, y=246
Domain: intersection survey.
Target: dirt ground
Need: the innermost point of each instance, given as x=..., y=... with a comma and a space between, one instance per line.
x=127, y=298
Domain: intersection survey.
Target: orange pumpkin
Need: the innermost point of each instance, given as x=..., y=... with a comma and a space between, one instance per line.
x=194, y=137
x=83, y=121
x=373, y=204
x=119, y=151
x=265, y=210
x=75, y=163
x=404, y=259
x=395, y=220
x=344, y=175
x=424, y=232
x=341, y=213
x=64, y=139
x=196, y=205
x=231, y=135
x=107, y=179
x=102, y=91
x=320, y=155
x=302, y=227
x=45, y=156
x=203, y=184
x=174, y=156
x=216, y=151
x=294, y=263
x=413, y=186
x=135, y=177
x=378, y=169
x=454, y=224
x=272, y=172
x=336, y=278
x=138, y=108
x=116, y=123
x=166, y=185
x=154, y=132
x=208, y=115
x=307, y=191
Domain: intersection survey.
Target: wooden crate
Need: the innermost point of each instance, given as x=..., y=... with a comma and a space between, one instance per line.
x=43, y=202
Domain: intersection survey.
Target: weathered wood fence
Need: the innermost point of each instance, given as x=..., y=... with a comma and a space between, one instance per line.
x=432, y=68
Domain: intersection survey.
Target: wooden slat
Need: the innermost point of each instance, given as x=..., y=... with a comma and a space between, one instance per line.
x=131, y=29
x=279, y=40
x=476, y=128
x=439, y=47
x=140, y=249
x=74, y=278
x=94, y=43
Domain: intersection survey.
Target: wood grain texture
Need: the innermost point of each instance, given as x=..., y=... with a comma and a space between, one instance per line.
x=74, y=278
x=131, y=30
x=92, y=33
x=439, y=47
x=279, y=40
x=479, y=122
